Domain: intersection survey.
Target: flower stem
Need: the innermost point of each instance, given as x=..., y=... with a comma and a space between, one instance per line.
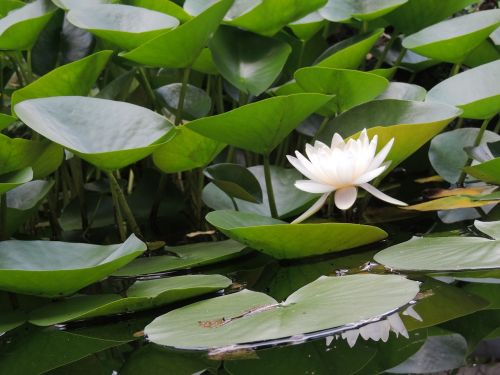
x=477, y=141
x=401, y=55
x=455, y=69
x=3, y=217
x=155, y=208
x=387, y=47
x=147, y=86
x=182, y=95
x=269, y=187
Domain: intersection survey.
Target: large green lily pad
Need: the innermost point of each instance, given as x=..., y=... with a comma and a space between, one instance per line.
x=475, y=91
x=180, y=47
x=411, y=123
x=76, y=78
x=20, y=28
x=489, y=171
x=54, y=269
x=142, y=295
x=184, y=257
x=445, y=253
x=123, y=25
x=14, y=179
x=250, y=317
x=350, y=87
x=70, y=4
x=288, y=241
x=106, y=133
x=365, y=10
x=403, y=91
x=260, y=126
x=250, y=62
x=453, y=39
x=289, y=200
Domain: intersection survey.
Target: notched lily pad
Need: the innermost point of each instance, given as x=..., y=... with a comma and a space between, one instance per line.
x=252, y=318
x=55, y=269
x=288, y=241
x=11, y=180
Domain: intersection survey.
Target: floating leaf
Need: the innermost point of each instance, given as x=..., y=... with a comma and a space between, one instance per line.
x=54, y=269
x=180, y=47
x=165, y=6
x=70, y=4
x=106, y=133
x=488, y=171
x=76, y=78
x=251, y=317
x=20, y=28
x=453, y=39
x=197, y=102
x=271, y=120
x=447, y=155
x=411, y=61
x=248, y=61
x=365, y=10
x=288, y=241
x=350, y=87
x=403, y=91
x=6, y=121
x=186, y=151
x=289, y=199
x=123, y=25
x=141, y=295
x=306, y=27
x=12, y=180
x=443, y=253
x=236, y=181
x=449, y=203
x=473, y=91
x=183, y=257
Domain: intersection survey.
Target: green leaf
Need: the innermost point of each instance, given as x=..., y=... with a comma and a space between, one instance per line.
x=260, y=126
x=236, y=181
x=186, y=151
x=447, y=155
x=7, y=5
x=289, y=241
x=23, y=202
x=350, y=87
x=411, y=123
x=485, y=53
x=365, y=10
x=474, y=91
x=443, y=253
x=197, y=102
x=76, y=78
x=488, y=171
x=142, y=295
x=180, y=47
x=54, y=269
x=126, y=26
x=349, y=53
x=183, y=257
x=415, y=15
x=103, y=132
x=19, y=153
x=251, y=317
x=403, y=91
x=12, y=180
x=453, y=39
x=289, y=199
x=306, y=27
x=248, y=61
x=6, y=121
x=70, y=4
x=164, y=6
x=19, y=29
x=492, y=229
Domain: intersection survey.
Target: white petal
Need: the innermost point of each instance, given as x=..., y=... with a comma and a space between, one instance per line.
x=410, y=311
x=329, y=340
x=380, y=157
x=312, y=168
x=382, y=196
x=337, y=140
x=351, y=336
x=397, y=325
x=345, y=197
x=312, y=210
x=298, y=165
x=367, y=177
x=313, y=187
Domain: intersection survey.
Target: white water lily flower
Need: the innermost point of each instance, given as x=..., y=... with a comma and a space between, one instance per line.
x=341, y=168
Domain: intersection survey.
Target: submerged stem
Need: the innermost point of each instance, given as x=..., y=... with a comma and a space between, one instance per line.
x=147, y=87
x=455, y=69
x=3, y=217
x=269, y=187
x=386, y=49
x=182, y=95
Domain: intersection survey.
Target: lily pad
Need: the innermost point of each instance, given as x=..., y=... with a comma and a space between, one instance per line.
x=20, y=28
x=123, y=25
x=403, y=91
x=474, y=91
x=180, y=47
x=445, y=253
x=70, y=4
x=142, y=295
x=289, y=199
x=248, y=61
x=106, y=133
x=488, y=171
x=306, y=27
x=411, y=123
x=350, y=87
x=197, y=103
x=6, y=121
x=165, y=6
x=250, y=317
x=453, y=39
x=289, y=241
x=76, y=78
x=12, y=180
x=260, y=126
x=54, y=269
x=183, y=257
x=450, y=203
x=365, y=10
x=186, y=151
